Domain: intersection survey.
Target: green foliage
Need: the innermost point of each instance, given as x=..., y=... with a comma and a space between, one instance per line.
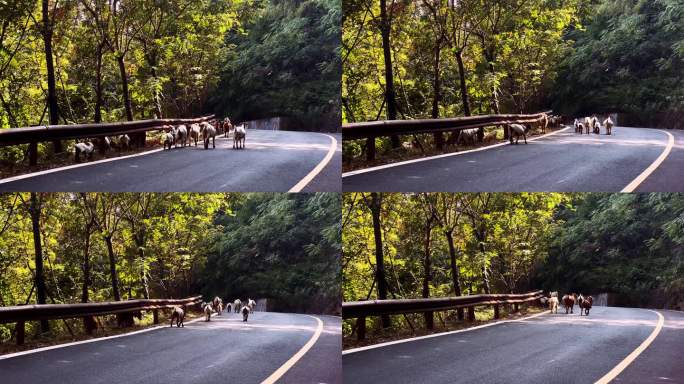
x=282, y=247
x=627, y=244
x=286, y=62
x=628, y=58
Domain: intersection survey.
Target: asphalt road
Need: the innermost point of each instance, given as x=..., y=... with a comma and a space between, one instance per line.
x=273, y=161
x=329, y=179
x=563, y=162
x=225, y=350
x=554, y=348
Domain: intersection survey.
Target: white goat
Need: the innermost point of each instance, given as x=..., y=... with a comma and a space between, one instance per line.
x=208, y=132
x=194, y=133
x=608, y=123
x=85, y=148
x=181, y=135
x=239, y=136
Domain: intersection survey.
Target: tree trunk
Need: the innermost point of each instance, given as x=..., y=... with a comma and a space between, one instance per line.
x=454, y=270
x=490, y=56
x=137, y=139
x=481, y=234
x=140, y=244
x=157, y=96
x=112, y=268
x=88, y=321
x=98, y=85
x=38, y=247
x=436, y=95
x=429, y=316
x=49, y=65
x=379, y=258
x=462, y=80
x=390, y=95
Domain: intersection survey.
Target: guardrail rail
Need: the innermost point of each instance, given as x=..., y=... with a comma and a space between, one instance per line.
x=34, y=135
x=20, y=314
x=369, y=130
x=362, y=309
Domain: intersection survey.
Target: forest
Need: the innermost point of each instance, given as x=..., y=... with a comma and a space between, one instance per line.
x=452, y=244
x=449, y=58
x=93, y=247
x=84, y=61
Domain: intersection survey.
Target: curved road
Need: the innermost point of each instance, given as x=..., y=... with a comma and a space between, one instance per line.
x=225, y=350
x=273, y=161
x=550, y=348
x=560, y=162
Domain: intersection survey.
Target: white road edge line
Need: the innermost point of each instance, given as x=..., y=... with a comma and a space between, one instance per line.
x=314, y=172
x=67, y=167
x=385, y=166
x=647, y=172
x=293, y=360
x=354, y=350
x=608, y=377
x=43, y=349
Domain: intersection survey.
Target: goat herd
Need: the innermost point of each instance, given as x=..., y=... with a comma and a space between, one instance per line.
x=517, y=131
x=568, y=301
x=594, y=125
x=181, y=135
x=173, y=137
x=216, y=305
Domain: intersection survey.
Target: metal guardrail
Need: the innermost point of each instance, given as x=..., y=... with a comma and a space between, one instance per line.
x=382, y=128
x=21, y=313
x=363, y=309
x=33, y=135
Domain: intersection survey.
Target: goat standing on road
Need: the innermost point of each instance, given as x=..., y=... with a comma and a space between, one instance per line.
x=239, y=136
x=585, y=304
x=237, y=304
x=178, y=314
x=608, y=123
x=245, y=313
x=569, y=302
x=208, y=132
x=181, y=135
x=207, y=311
x=517, y=130
x=194, y=133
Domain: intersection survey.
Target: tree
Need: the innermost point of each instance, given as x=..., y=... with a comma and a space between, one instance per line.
x=35, y=211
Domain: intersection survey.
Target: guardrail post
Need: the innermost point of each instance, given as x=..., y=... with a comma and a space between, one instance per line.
x=471, y=313
x=155, y=316
x=89, y=324
x=429, y=320
x=370, y=148
x=21, y=332
x=361, y=328
x=33, y=153
x=496, y=311
x=515, y=307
